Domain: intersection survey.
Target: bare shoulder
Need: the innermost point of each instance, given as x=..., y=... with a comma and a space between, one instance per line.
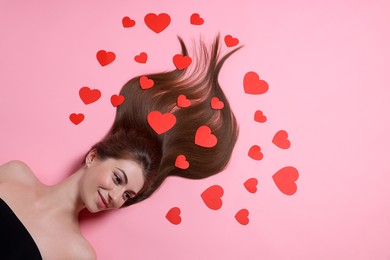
x=16, y=171
x=81, y=249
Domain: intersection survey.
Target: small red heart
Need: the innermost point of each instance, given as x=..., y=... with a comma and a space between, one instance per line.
x=255, y=153
x=173, y=216
x=88, y=95
x=251, y=184
x=212, y=197
x=181, y=162
x=182, y=101
x=260, y=117
x=253, y=84
x=216, y=103
x=104, y=57
x=157, y=23
x=242, y=217
x=281, y=140
x=196, y=19
x=127, y=22
x=145, y=82
x=181, y=62
x=285, y=180
x=230, y=41
x=141, y=58
x=116, y=100
x=161, y=123
x=76, y=118
x=204, y=137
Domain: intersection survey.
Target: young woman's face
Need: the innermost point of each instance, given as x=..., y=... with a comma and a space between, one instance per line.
x=108, y=184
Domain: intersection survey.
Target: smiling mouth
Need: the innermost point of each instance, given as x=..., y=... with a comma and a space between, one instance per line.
x=103, y=200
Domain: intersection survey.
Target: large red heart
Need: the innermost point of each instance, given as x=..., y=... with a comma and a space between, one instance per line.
x=173, y=216
x=281, y=139
x=182, y=101
x=104, y=57
x=181, y=162
x=260, y=117
x=141, y=58
x=251, y=185
x=181, y=62
x=255, y=153
x=127, y=22
x=230, y=41
x=157, y=23
x=76, y=118
x=285, y=180
x=116, y=100
x=253, y=84
x=161, y=123
x=212, y=197
x=242, y=216
x=196, y=19
x=88, y=95
x=204, y=137
x=216, y=103
x=145, y=82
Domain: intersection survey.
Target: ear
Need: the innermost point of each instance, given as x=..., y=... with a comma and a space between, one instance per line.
x=91, y=156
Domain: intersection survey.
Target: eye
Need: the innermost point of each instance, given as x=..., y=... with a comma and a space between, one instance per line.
x=128, y=195
x=117, y=179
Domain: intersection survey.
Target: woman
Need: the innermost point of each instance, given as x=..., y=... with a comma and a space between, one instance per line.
x=129, y=164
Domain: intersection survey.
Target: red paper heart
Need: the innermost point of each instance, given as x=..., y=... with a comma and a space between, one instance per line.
x=88, y=95
x=255, y=153
x=285, y=180
x=212, y=197
x=161, y=123
x=117, y=100
x=260, y=117
x=216, y=103
x=196, y=19
x=230, y=41
x=127, y=22
x=182, y=101
x=141, y=58
x=157, y=23
x=253, y=84
x=145, y=82
x=181, y=162
x=181, y=62
x=104, y=57
x=173, y=216
x=204, y=137
x=242, y=217
x=251, y=184
x=281, y=140
x=76, y=118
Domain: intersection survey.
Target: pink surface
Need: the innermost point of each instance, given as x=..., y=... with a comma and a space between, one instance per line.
x=327, y=66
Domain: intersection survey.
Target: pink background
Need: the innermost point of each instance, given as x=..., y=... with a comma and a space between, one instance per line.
x=327, y=64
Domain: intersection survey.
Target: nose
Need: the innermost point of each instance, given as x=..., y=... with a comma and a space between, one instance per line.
x=115, y=198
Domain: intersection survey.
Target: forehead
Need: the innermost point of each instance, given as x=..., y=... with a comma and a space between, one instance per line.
x=133, y=171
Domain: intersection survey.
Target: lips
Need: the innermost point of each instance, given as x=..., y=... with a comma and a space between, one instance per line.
x=102, y=203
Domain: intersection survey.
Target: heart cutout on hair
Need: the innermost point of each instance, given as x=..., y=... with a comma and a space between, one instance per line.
x=260, y=117
x=255, y=153
x=212, y=197
x=181, y=162
x=127, y=22
x=173, y=215
x=181, y=62
x=285, y=180
x=205, y=138
x=76, y=118
x=104, y=57
x=117, y=100
x=230, y=41
x=216, y=103
x=88, y=95
x=145, y=82
x=183, y=102
x=281, y=140
x=251, y=185
x=157, y=23
x=141, y=58
x=161, y=123
x=253, y=84
x=242, y=217
x=196, y=19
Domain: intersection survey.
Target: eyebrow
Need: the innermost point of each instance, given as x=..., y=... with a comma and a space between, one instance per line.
x=124, y=174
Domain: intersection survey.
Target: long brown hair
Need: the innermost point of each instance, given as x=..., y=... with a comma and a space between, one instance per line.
x=157, y=152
